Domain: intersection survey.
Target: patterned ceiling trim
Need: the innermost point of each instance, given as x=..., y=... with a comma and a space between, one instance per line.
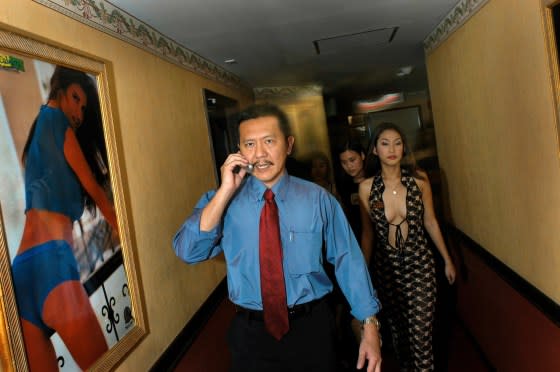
x=462, y=12
x=288, y=91
x=106, y=17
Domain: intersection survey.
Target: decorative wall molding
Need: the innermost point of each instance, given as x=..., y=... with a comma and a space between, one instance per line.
x=105, y=17
x=288, y=91
x=461, y=13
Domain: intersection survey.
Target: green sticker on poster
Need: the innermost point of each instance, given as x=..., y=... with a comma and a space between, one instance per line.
x=11, y=63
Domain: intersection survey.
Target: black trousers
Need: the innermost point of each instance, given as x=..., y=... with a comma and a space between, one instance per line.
x=307, y=347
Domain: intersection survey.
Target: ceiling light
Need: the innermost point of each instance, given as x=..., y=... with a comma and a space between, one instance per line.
x=380, y=103
x=230, y=61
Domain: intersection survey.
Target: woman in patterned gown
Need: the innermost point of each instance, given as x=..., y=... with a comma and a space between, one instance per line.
x=398, y=200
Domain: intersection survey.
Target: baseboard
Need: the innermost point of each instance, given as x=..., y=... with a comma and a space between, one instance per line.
x=531, y=293
x=181, y=344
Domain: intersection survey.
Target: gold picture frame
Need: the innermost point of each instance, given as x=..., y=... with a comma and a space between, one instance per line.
x=551, y=30
x=13, y=355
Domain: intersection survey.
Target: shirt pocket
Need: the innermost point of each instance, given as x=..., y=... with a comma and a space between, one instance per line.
x=303, y=255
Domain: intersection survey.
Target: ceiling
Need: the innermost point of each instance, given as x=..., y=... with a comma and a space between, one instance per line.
x=344, y=46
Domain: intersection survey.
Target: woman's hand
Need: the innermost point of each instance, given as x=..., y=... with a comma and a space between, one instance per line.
x=450, y=273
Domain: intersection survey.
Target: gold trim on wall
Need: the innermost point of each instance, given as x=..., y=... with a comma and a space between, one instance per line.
x=456, y=17
x=12, y=348
x=11, y=339
x=106, y=17
x=288, y=91
x=553, y=61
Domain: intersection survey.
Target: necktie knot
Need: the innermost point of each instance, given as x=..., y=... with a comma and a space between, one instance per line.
x=268, y=195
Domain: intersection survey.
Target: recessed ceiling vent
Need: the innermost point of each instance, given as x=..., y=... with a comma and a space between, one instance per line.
x=363, y=39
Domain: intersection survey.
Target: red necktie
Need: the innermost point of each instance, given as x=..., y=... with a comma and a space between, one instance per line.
x=273, y=289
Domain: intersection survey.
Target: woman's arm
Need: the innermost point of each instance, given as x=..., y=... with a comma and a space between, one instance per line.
x=432, y=226
x=79, y=165
x=367, y=226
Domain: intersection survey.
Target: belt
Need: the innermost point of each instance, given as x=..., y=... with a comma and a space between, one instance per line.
x=294, y=312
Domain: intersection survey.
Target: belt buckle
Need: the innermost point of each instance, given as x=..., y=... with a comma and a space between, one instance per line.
x=301, y=309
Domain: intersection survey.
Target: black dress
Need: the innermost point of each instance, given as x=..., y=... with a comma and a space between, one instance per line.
x=404, y=276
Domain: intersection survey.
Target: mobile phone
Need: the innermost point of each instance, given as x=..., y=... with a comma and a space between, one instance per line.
x=248, y=168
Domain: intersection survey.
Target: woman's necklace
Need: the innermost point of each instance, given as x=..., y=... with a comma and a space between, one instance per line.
x=394, y=188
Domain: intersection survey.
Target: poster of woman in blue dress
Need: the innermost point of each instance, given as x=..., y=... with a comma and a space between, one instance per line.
x=59, y=216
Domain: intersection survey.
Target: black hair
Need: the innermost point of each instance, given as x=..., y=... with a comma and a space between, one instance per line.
x=89, y=134
x=266, y=109
x=355, y=146
x=408, y=162
x=351, y=145
x=321, y=156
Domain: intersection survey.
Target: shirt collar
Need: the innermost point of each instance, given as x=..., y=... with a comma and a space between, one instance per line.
x=280, y=188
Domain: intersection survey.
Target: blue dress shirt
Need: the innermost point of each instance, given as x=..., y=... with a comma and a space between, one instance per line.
x=309, y=216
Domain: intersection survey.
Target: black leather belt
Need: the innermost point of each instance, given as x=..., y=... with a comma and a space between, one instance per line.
x=294, y=312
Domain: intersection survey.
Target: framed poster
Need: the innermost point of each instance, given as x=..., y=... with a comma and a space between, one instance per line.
x=69, y=289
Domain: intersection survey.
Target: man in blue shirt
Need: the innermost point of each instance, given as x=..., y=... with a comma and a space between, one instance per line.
x=227, y=220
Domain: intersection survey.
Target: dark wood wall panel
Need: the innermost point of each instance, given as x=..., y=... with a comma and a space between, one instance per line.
x=515, y=325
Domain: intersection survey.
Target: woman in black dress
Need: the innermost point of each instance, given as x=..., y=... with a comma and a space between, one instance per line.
x=352, y=159
x=398, y=200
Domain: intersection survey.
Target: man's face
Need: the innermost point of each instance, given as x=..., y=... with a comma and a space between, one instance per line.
x=264, y=145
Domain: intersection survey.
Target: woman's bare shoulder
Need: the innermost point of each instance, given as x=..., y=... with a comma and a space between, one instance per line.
x=423, y=180
x=365, y=185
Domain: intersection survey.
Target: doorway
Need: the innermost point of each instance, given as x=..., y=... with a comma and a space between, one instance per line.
x=221, y=112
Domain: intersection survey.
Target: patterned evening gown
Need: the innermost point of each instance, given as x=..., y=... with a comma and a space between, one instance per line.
x=404, y=276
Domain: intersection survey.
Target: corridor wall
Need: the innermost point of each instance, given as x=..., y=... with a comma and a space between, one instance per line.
x=496, y=126
x=497, y=136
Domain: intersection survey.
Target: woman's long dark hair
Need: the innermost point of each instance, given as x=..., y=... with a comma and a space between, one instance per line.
x=89, y=134
x=344, y=182
x=408, y=161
